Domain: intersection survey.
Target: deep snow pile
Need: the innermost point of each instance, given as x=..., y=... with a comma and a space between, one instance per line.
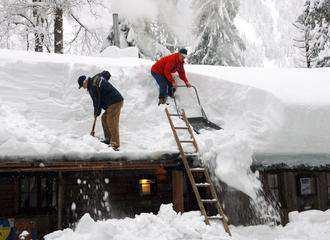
x=42, y=111
x=168, y=225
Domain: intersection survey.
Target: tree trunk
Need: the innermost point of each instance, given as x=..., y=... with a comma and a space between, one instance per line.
x=38, y=35
x=307, y=50
x=58, y=31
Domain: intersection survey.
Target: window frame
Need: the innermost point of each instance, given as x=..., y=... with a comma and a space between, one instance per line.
x=313, y=185
x=42, y=193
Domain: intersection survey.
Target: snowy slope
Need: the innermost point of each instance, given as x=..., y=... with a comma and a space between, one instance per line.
x=43, y=112
x=168, y=225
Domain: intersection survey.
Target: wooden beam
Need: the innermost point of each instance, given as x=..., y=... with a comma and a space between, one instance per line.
x=83, y=166
x=177, y=190
x=60, y=201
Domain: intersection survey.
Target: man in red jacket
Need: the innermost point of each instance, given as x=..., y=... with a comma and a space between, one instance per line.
x=162, y=72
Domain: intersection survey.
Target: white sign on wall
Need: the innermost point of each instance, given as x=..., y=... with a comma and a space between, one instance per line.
x=305, y=186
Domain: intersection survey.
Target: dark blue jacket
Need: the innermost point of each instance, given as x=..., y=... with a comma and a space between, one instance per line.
x=103, y=94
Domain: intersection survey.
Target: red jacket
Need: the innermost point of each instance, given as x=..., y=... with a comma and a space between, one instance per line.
x=170, y=64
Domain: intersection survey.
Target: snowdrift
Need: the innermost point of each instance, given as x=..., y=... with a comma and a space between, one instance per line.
x=42, y=112
x=168, y=225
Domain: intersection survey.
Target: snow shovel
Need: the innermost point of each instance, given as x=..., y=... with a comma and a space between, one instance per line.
x=93, y=133
x=93, y=128
x=198, y=123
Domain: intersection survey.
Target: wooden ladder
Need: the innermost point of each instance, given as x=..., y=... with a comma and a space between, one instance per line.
x=195, y=172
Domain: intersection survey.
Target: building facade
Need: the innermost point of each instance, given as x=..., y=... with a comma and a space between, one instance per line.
x=297, y=182
x=41, y=196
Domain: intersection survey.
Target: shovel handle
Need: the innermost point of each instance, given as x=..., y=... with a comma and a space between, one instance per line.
x=93, y=128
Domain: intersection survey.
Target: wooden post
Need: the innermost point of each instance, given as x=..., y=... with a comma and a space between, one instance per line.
x=116, y=29
x=290, y=188
x=322, y=190
x=60, y=201
x=177, y=191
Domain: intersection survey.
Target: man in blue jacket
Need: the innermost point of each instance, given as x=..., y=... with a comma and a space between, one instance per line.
x=105, y=96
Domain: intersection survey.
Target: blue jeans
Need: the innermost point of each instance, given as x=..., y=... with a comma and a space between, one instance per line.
x=165, y=87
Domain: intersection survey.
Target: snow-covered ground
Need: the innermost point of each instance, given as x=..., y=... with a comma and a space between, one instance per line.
x=168, y=225
x=42, y=112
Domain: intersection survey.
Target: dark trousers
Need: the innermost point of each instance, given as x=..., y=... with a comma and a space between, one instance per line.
x=165, y=87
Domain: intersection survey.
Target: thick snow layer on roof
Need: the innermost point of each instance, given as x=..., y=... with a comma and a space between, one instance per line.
x=298, y=86
x=42, y=112
x=291, y=161
x=168, y=225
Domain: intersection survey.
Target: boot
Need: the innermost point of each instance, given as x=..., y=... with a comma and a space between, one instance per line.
x=161, y=100
x=105, y=141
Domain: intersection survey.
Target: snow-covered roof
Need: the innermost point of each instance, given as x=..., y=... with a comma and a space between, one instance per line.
x=43, y=113
x=291, y=161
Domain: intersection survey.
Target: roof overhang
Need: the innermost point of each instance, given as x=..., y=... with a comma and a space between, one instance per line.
x=88, y=163
x=291, y=161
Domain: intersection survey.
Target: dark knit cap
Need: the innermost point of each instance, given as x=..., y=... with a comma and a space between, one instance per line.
x=183, y=51
x=81, y=80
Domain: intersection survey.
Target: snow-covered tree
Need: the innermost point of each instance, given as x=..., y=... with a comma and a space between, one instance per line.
x=154, y=36
x=314, y=26
x=39, y=23
x=218, y=42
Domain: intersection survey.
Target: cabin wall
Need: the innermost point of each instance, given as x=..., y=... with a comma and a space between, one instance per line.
x=14, y=209
x=297, y=190
x=114, y=194
x=42, y=202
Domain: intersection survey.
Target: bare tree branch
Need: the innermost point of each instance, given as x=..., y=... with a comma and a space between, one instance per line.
x=80, y=23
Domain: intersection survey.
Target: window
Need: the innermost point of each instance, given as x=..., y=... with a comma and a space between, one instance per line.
x=273, y=186
x=28, y=192
x=328, y=187
x=145, y=186
x=37, y=192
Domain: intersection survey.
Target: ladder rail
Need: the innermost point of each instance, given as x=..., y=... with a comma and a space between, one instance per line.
x=218, y=205
x=186, y=165
x=190, y=130
x=208, y=185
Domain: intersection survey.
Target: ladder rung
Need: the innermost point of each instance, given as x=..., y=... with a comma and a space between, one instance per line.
x=175, y=115
x=197, y=169
x=209, y=200
x=202, y=184
x=186, y=141
x=180, y=127
x=214, y=217
x=191, y=154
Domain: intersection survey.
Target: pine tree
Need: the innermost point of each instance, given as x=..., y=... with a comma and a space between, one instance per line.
x=314, y=23
x=218, y=41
